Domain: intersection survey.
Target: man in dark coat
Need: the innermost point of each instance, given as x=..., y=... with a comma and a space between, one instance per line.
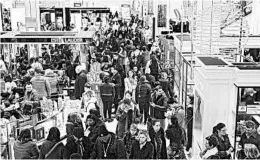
x=107, y=93
x=142, y=97
x=79, y=84
x=166, y=85
x=117, y=82
x=159, y=105
x=107, y=146
x=156, y=133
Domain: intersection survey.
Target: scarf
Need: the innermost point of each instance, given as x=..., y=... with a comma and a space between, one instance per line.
x=80, y=147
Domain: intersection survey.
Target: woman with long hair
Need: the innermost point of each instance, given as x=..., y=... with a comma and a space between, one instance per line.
x=130, y=82
x=52, y=147
x=224, y=147
x=24, y=147
x=176, y=134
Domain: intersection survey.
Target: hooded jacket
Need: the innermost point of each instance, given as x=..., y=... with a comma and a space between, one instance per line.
x=115, y=149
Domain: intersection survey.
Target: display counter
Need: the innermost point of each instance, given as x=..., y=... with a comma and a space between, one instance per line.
x=221, y=97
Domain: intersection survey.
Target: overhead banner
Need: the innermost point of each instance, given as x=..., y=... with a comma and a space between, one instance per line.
x=162, y=15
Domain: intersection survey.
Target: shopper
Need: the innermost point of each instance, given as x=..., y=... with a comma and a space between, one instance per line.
x=142, y=148
x=176, y=135
x=157, y=135
x=125, y=114
x=77, y=143
x=249, y=137
x=166, y=85
x=41, y=84
x=107, y=93
x=52, y=147
x=142, y=97
x=107, y=146
x=129, y=137
x=159, y=105
x=24, y=147
x=116, y=80
x=81, y=80
x=224, y=147
x=130, y=82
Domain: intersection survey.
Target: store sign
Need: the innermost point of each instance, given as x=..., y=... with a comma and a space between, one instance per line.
x=67, y=40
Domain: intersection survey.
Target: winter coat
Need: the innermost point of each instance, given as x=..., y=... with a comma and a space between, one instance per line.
x=161, y=100
x=128, y=141
x=70, y=72
x=107, y=92
x=143, y=92
x=51, y=150
x=146, y=152
x=158, y=140
x=79, y=85
x=115, y=149
x=126, y=119
x=95, y=130
x=116, y=79
x=75, y=145
x=167, y=88
x=176, y=136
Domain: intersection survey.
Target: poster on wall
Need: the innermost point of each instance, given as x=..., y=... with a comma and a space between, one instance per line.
x=125, y=10
x=162, y=15
x=18, y=24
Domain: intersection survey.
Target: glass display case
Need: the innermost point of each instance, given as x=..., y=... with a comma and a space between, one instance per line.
x=247, y=112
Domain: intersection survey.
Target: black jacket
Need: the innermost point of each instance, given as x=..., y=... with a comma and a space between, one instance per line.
x=115, y=149
x=167, y=88
x=79, y=85
x=161, y=100
x=159, y=153
x=143, y=92
x=116, y=79
x=73, y=146
x=107, y=92
x=146, y=152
